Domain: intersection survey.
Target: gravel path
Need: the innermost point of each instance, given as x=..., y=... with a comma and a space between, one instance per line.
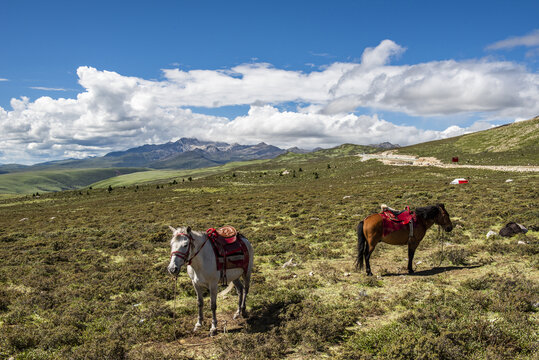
x=390, y=158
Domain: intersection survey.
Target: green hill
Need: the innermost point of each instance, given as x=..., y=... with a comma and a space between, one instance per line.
x=56, y=180
x=512, y=144
x=164, y=176
x=341, y=150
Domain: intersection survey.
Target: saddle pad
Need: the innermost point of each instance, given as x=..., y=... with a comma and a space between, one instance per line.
x=229, y=255
x=391, y=223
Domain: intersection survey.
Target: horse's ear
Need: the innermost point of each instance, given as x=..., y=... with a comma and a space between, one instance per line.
x=172, y=229
x=188, y=230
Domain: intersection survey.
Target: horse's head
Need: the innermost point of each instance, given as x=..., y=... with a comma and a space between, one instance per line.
x=443, y=219
x=180, y=247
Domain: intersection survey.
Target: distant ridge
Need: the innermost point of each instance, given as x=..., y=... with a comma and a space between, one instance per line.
x=185, y=153
x=385, y=145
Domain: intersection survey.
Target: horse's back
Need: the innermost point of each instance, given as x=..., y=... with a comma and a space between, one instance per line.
x=372, y=224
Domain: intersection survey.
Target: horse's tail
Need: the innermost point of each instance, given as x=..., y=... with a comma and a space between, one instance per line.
x=361, y=245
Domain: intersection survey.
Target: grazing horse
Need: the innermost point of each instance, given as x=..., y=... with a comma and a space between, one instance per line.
x=194, y=249
x=370, y=233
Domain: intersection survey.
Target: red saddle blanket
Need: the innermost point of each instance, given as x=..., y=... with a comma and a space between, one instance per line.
x=392, y=222
x=230, y=252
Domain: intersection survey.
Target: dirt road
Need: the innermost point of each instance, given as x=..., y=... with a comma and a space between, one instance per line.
x=390, y=158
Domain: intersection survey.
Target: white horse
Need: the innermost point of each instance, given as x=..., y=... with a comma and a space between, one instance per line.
x=194, y=249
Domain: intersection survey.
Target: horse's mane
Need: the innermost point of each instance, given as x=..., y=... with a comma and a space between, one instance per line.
x=428, y=212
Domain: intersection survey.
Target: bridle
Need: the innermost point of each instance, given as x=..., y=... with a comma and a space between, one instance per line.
x=185, y=255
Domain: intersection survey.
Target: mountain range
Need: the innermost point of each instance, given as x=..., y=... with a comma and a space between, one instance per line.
x=186, y=153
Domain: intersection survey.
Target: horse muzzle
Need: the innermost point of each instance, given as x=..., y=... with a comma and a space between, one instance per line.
x=449, y=228
x=173, y=269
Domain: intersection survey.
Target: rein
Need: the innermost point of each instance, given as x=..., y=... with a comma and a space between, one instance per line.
x=174, y=309
x=440, y=235
x=187, y=260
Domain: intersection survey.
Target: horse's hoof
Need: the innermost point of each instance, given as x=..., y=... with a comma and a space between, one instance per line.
x=369, y=274
x=411, y=272
x=236, y=315
x=213, y=331
x=197, y=326
x=244, y=314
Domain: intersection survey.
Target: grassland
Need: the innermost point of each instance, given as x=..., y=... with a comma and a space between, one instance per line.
x=164, y=176
x=514, y=144
x=56, y=180
x=83, y=273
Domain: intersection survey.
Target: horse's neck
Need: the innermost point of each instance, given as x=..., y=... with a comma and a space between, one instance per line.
x=428, y=224
x=201, y=245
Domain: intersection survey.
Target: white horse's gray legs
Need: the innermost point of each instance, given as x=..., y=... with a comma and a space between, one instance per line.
x=247, y=281
x=200, y=300
x=240, y=291
x=213, y=304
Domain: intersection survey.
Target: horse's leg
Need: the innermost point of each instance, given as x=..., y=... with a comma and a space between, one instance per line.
x=213, y=304
x=411, y=251
x=200, y=300
x=247, y=283
x=370, y=249
x=239, y=290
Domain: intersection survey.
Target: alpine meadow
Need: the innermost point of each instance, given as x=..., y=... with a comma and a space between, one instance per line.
x=83, y=272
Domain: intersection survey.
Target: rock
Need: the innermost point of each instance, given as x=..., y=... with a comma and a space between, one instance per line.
x=311, y=273
x=491, y=234
x=513, y=228
x=289, y=263
x=346, y=274
x=520, y=242
x=509, y=180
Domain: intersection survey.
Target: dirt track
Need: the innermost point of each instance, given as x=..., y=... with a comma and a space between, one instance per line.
x=390, y=158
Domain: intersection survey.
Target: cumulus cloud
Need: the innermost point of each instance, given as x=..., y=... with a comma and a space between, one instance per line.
x=528, y=40
x=117, y=112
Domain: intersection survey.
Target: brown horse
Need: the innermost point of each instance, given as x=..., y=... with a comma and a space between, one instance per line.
x=369, y=233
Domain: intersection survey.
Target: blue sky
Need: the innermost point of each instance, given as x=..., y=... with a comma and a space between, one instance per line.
x=101, y=55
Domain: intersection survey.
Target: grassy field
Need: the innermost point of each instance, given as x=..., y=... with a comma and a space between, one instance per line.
x=56, y=180
x=83, y=273
x=164, y=176
x=514, y=144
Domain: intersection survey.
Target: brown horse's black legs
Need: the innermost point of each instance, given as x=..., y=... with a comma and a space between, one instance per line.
x=367, y=262
x=411, y=252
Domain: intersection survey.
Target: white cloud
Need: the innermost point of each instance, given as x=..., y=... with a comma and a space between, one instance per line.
x=3, y=79
x=117, y=112
x=47, y=88
x=528, y=40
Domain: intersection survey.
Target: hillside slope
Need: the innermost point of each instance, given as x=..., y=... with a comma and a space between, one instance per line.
x=56, y=180
x=512, y=144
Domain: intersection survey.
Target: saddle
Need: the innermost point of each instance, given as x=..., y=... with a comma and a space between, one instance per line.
x=394, y=220
x=229, y=248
